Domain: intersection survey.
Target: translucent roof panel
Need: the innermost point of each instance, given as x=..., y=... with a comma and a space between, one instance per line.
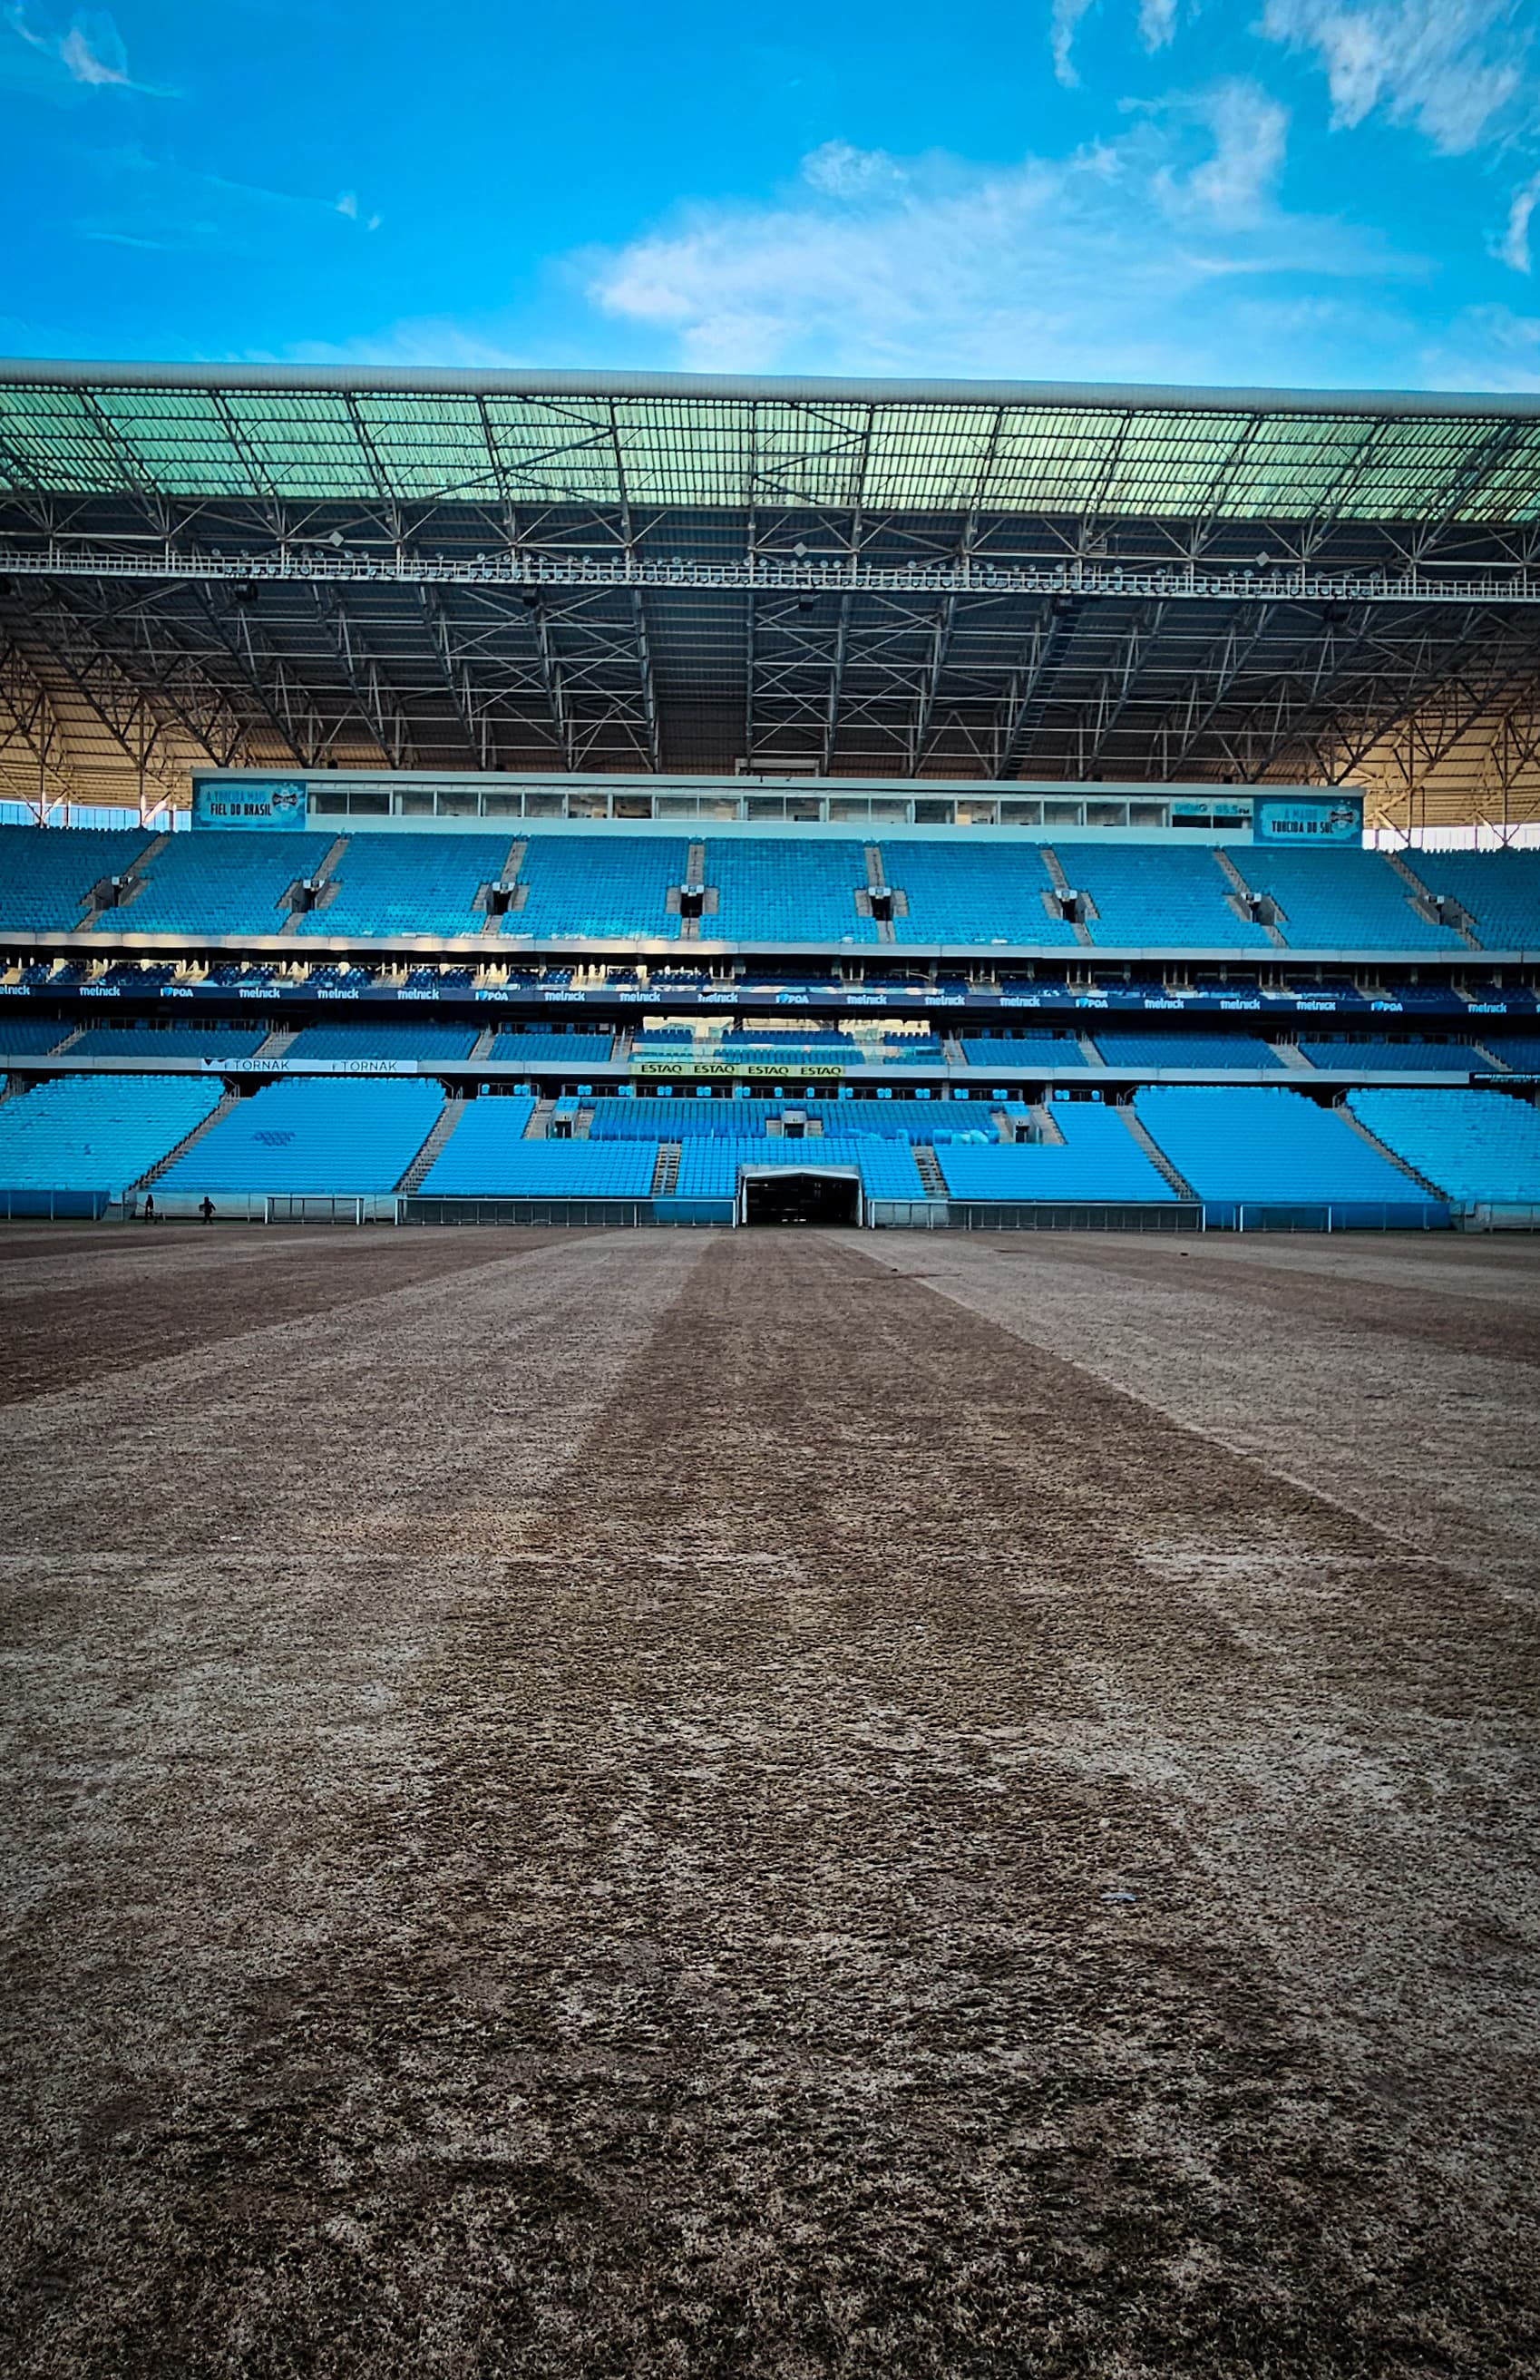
x=1142, y=454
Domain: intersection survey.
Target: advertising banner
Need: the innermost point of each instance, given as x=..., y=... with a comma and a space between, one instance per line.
x=1335, y=819
x=280, y=803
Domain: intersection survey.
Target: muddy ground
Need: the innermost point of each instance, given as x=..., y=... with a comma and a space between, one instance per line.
x=767, y=1803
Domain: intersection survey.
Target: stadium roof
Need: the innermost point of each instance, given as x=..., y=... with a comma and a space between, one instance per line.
x=248, y=563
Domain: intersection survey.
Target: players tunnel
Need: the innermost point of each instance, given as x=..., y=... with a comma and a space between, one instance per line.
x=793, y=1194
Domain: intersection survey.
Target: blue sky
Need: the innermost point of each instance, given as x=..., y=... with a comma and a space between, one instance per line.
x=1307, y=192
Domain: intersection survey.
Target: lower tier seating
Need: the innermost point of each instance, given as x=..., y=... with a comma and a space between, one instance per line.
x=486, y=1156
x=312, y=1137
x=1098, y=1160
x=1477, y=1146
x=1268, y=1148
x=709, y=1169
x=98, y=1132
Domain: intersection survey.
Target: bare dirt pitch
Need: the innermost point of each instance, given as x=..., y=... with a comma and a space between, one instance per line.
x=780, y=1804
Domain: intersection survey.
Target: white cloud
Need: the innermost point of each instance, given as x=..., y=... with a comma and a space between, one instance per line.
x=1110, y=261
x=1250, y=132
x=842, y=172
x=1450, y=68
x=1067, y=15
x=1513, y=247
x=1485, y=348
x=90, y=50
x=1157, y=23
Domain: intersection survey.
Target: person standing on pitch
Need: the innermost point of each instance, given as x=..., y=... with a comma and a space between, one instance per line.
x=206, y=1208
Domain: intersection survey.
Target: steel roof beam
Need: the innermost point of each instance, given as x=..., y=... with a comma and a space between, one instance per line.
x=1059, y=395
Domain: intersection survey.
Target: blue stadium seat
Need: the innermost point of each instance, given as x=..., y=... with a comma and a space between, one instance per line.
x=1477, y=1146
x=1099, y=1161
x=420, y=1037
x=98, y=1132
x=972, y=893
x=28, y=1037
x=409, y=884
x=1268, y=1148
x=710, y=1168
x=486, y=1156
x=1155, y=1046
x=1023, y=1049
x=312, y=1136
x=210, y=1041
x=46, y=872
x=791, y=891
x=1400, y=1057
x=552, y=1048
x=1499, y=889
x=1148, y=896
x=1340, y=899
x=219, y=882
x=599, y=884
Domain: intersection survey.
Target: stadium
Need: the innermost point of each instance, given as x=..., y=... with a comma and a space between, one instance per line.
x=767, y=1171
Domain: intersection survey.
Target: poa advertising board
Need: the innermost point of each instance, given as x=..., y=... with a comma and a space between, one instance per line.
x=279, y=802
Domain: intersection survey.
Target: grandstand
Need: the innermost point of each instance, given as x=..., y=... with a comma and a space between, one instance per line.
x=683, y=1021
x=699, y=832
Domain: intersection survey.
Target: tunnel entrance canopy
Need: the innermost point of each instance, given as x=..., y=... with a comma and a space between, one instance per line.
x=794, y=1195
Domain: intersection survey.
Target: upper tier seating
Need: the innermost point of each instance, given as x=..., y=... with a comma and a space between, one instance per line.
x=1475, y=1146
x=709, y=1169
x=486, y=1156
x=1267, y=1147
x=1400, y=1057
x=23, y=1037
x=312, y=1137
x=971, y=892
x=599, y=884
x=1160, y=1048
x=1499, y=889
x=551, y=1048
x=211, y=1041
x=792, y=892
x=98, y=1132
x=1099, y=1159
x=422, y=1039
x=46, y=872
x=1340, y=899
x=218, y=883
x=409, y=884
x=1145, y=892
x=1029, y=1050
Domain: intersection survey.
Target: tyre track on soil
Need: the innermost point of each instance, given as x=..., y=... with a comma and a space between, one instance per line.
x=214, y=1647
x=740, y=1982
x=153, y=1307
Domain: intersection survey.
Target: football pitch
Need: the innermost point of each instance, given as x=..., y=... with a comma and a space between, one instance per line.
x=769, y=1804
